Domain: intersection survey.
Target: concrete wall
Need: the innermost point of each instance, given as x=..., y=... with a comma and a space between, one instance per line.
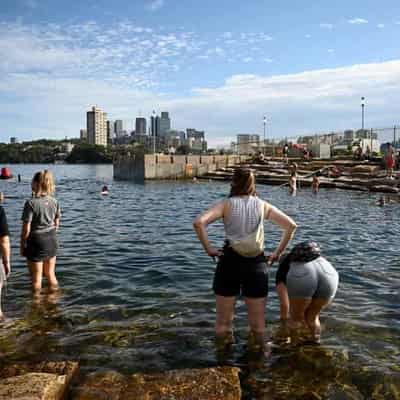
x=148, y=167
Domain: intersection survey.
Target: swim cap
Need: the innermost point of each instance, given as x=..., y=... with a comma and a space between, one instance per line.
x=305, y=252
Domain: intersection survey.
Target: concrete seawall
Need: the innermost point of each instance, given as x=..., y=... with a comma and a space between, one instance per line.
x=141, y=167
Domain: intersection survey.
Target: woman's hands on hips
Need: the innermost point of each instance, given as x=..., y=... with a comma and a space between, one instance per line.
x=273, y=257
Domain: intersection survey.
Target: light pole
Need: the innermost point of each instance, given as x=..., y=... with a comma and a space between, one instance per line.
x=265, y=124
x=153, y=127
x=362, y=113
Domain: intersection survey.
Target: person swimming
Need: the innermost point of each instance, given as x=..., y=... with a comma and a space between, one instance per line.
x=104, y=190
x=315, y=183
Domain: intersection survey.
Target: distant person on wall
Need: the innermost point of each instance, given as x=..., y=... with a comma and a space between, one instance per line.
x=368, y=153
x=242, y=265
x=40, y=222
x=5, y=250
x=390, y=161
x=306, y=283
x=285, y=152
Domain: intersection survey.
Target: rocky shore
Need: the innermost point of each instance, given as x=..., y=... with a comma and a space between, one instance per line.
x=337, y=174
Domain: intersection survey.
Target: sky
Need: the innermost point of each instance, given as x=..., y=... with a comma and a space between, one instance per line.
x=218, y=66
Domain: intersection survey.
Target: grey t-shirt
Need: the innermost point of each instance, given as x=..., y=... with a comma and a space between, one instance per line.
x=41, y=213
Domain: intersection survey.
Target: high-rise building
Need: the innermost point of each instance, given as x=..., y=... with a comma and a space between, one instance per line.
x=155, y=125
x=83, y=134
x=119, y=128
x=140, y=126
x=193, y=133
x=110, y=131
x=13, y=140
x=165, y=124
x=96, y=124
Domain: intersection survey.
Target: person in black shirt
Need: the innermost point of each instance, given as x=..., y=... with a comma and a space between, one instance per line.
x=5, y=268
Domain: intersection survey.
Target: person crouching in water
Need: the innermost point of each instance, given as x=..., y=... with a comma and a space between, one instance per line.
x=306, y=283
x=242, y=265
x=40, y=222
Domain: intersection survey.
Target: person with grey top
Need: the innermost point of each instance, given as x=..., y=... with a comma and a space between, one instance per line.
x=40, y=222
x=243, y=267
x=306, y=283
x=5, y=250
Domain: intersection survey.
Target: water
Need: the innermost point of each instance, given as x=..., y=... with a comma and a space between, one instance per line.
x=136, y=285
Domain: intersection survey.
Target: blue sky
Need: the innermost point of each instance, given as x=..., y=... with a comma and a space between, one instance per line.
x=219, y=66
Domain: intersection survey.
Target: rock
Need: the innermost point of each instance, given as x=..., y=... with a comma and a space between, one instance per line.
x=65, y=368
x=194, y=384
x=33, y=386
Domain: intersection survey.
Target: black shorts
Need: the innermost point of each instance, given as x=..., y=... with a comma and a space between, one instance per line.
x=41, y=246
x=236, y=275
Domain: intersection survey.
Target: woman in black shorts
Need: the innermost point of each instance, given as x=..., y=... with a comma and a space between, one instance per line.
x=40, y=222
x=242, y=266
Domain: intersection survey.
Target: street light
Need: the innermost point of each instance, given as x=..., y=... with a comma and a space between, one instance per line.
x=362, y=113
x=265, y=123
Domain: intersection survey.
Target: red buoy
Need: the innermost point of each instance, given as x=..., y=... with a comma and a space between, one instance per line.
x=5, y=173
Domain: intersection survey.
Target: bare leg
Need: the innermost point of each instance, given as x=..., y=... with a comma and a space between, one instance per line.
x=283, y=300
x=225, y=309
x=298, y=307
x=36, y=269
x=49, y=269
x=256, y=316
x=312, y=317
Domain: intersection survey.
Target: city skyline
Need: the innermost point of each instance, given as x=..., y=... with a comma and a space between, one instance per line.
x=305, y=66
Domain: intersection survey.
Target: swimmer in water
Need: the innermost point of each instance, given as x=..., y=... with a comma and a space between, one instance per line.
x=292, y=183
x=315, y=184
x=104, y=190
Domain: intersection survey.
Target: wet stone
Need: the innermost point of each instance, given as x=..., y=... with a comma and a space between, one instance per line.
x=33, y=386
x=194, y=384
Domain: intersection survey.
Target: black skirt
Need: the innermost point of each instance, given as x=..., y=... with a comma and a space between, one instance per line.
x=41, y=246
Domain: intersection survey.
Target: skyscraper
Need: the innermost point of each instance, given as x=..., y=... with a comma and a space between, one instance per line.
x=155, y=125
x=96, y=123
x=165, y=124
x=119, y=128
x=110, y=131
x=140, y=126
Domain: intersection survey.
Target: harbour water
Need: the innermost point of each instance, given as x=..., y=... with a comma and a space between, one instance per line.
x=136, y=284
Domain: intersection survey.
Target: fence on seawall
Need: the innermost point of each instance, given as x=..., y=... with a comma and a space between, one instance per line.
x=141, y=167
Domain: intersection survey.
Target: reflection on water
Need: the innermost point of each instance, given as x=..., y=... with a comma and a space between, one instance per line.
x=136, y=287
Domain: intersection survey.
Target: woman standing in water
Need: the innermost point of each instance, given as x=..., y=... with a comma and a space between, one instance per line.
x=5, y=250
x=242, y=265
x=40, y=222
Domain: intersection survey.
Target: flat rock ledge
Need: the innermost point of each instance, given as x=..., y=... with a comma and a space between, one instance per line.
x=41, y=381
x=221, y=383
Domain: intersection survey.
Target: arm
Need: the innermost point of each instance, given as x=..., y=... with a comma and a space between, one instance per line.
x=5, y=252
x=287, y=225
x=57, y=223
x=26, y=229
x=200, y=226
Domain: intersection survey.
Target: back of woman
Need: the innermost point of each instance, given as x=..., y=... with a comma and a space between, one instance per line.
x=244, y=214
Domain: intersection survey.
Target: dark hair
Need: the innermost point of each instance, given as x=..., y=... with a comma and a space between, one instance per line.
x=243, y=183
x=305, y=251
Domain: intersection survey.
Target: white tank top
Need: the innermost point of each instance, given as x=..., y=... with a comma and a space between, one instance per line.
x=244, y=217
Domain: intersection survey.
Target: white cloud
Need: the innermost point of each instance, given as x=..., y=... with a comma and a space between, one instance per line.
x=268, y=60
x=247, y=59
x=154, y=5
x=227, y=35
x=357, y=21
x=305, y=102
x=308, y=36
x=326, y=26
x=331, y=51
x=380, y=26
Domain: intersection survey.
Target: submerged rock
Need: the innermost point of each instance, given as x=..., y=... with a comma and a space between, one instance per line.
x=195, y=384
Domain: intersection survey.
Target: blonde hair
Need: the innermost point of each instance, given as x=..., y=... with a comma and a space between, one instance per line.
x=43, y=183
